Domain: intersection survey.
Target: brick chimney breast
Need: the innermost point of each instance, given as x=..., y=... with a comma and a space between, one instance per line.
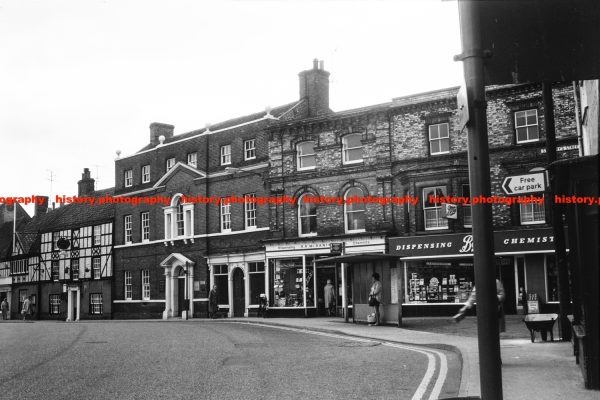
x=41, y=208
x=314, y=87
x=157, y=129
x=85, y=186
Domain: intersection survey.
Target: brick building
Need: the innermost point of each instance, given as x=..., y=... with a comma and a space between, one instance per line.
x=168, y=256
x=411, y=148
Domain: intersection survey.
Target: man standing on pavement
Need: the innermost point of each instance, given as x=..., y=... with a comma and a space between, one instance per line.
x=213, y=305
x=26, y=308
x=5, y=309
x=329, y=295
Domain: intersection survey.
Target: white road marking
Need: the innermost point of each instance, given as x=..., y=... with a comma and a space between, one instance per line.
x=431, y=359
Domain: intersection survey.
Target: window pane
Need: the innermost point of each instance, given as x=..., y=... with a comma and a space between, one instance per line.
x=520, y=119
x=444, y=145
x=521, y=134
x=352, y=141
x=257, y=286
x=433, y=132
x=435, y=146
x=532, y=132
x=531, y=117
x=443, y=129
x=356, y=220
x=306, y=148
x=308, y=161
x=354, y=155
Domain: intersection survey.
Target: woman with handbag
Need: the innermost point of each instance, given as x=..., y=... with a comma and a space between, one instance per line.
x=375, y=296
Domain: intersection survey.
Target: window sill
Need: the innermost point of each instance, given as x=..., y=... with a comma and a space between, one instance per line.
x=528, y=141
x=533, y=223
x=353, y=162
x=357, y=231
x=306, y=169
x=439, y=154
x=308, y=234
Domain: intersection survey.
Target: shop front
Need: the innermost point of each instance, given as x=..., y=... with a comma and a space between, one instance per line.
x=439, y=274
x=297, y=279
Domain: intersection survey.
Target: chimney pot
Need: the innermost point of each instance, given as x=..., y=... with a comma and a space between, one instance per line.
x=86, y=185
x=314, y=87
x=315, y=64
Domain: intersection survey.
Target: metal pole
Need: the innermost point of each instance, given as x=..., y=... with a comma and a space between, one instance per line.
x=557, y=217
x=490, y=373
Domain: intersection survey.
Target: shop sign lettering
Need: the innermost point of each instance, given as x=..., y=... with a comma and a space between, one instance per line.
x=467, y=244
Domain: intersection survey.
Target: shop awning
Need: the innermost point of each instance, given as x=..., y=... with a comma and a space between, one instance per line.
x=358, y=258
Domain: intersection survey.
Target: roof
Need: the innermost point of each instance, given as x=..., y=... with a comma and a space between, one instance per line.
x=275, y=112
x=66, y=217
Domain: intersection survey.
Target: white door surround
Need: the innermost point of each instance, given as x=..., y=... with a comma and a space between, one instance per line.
x=73, y=301
x=175, y=265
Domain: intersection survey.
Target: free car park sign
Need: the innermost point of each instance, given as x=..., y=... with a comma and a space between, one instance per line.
x=526, y=183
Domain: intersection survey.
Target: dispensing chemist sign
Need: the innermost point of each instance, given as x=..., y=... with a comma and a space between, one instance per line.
x=527, y=183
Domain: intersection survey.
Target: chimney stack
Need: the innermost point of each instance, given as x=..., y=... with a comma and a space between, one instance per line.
x=85, y=186
x=314, y=87
x=41, y=208
x=157, y=129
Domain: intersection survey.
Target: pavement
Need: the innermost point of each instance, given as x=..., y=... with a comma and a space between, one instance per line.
x=545, y=370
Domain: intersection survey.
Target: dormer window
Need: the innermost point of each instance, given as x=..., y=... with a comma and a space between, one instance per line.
x=305, y=156
x=192, y=159
x=170, y=163
x=352, y=149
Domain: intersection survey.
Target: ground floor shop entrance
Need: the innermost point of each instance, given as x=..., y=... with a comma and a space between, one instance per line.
x=239, y=294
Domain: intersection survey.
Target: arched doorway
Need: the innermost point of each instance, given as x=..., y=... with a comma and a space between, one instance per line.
x=239, y=293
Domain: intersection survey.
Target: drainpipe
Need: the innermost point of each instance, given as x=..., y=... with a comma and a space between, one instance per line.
x=578, y=118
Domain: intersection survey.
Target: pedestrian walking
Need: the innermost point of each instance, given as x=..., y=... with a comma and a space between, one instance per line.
x=329, y=294
x=375, y=296
x=473, y=299
x=5, y=309
x=213, y=306
x=26, y=311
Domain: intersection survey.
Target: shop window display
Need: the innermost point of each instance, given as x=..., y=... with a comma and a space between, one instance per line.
x=289, y=283
x=439, y=281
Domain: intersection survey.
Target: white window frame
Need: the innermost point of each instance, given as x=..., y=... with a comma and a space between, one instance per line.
x=439, y=138
x=346, y=149
x=54, y=304
x=171, y=222
x=532, y=209
x=300, y=156
x=128, y=285
x=54, y=266
x=145, y=225
x=249, y=212
x=170, y=163
x=438, y=209
x=97, y=240
x=146, y=173
x=129, y=178
x=192, y=159
x=145, y=284
x=127, y=231
x=96, y=307
x=74, y=267
x=364, y=210
x=225, y=217
x=526, y=126
x=300, y=216
x=249, y=149
x=226, y=154
x=96, y=267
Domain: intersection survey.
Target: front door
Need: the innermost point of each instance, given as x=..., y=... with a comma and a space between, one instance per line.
x=181, y=295
x=323, y=275
x=239, y=293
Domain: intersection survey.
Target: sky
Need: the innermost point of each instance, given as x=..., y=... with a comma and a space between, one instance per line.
x=81, y=79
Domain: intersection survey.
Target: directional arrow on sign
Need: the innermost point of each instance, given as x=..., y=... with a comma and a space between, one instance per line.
x=522, y=184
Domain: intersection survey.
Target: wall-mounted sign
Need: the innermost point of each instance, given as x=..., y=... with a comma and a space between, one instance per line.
x=451, y=211
x=526, y=183
x=336, y=248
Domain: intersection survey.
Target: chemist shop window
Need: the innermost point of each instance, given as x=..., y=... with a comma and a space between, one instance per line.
x=256, y=272
x=432, y=210
x=220, y=272
x=439, y=281
x=290, y=283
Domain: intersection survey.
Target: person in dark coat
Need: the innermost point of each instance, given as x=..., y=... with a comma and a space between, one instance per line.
x=213, y=306
x=329, y=295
